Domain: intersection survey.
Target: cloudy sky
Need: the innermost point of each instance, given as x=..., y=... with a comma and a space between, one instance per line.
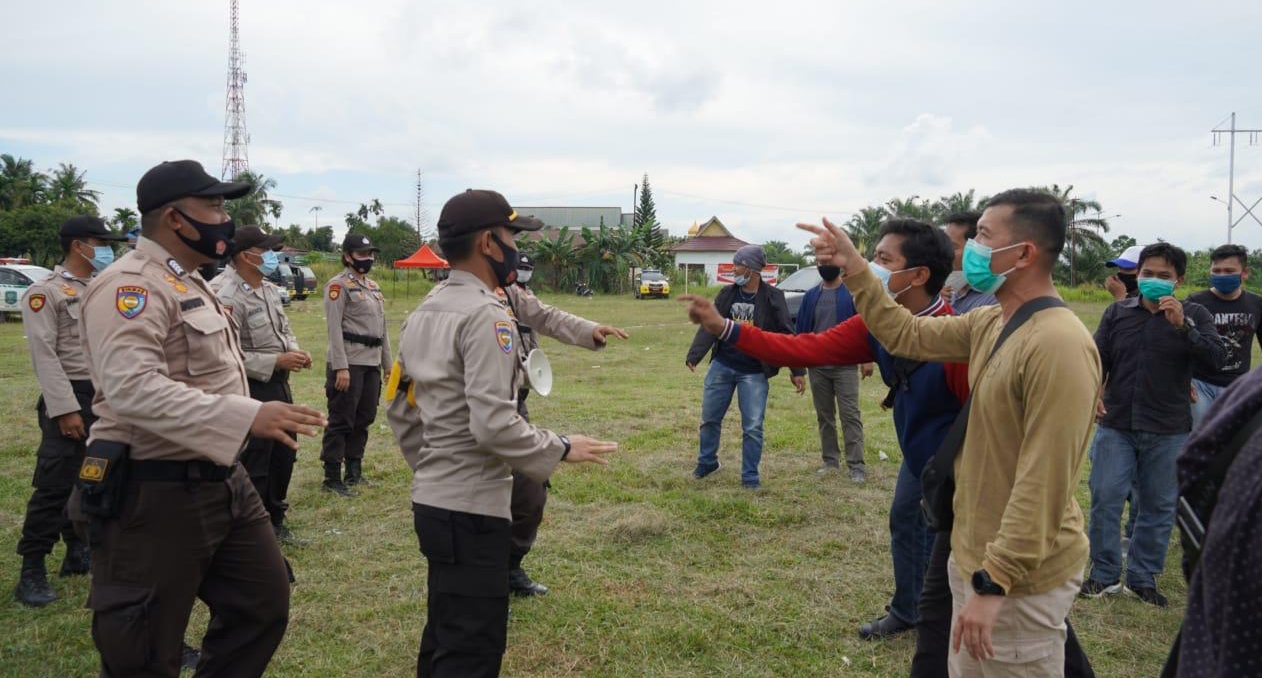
x=761, y=116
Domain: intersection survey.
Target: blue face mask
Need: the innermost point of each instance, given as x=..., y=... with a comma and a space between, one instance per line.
x=102, y=256
x=977, y=267
x=885, y=274
x=1153, y=289
x=270, y=262
x=741, y=280
x=1225, y=283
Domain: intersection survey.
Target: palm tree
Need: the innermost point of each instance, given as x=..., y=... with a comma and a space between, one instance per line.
x=20, y=184
x=69, y=186
x=956, y=203
x=1089, y=229
x=124, y=219
x=863, y=227
x=253, y=208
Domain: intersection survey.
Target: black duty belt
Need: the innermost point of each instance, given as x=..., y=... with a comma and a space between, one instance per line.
x=370, y=342
x=177, y=471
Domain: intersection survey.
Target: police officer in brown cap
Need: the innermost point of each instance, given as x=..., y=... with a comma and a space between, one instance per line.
x=271, y=354
x=359, y=356
x=460, y=353
x=50, y=316
x=172, y=514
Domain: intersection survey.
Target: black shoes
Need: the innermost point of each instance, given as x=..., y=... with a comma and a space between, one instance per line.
x=702, y=471
x=33, y=589
x=287, y=537
x=1149, y=595
x=333, y=480
x=520, y=584
x=78, y=560
x=1098, y=589
x=886, y=626
x=355, y=473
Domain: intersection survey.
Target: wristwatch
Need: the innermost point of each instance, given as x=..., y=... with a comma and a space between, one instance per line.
x=983, y=585
x=565, y=440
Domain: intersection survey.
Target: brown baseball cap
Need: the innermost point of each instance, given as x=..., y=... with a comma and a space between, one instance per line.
x=477, y=209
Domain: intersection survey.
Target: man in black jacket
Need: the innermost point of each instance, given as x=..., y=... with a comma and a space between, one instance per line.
x=747, y=301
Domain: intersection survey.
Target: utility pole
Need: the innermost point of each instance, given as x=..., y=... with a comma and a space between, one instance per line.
x=635, y=209
x=1231, y=133
x=236, y=158
x=420, y=204
x=316, y=209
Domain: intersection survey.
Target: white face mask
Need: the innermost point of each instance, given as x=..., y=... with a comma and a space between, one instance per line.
x=523, y=276
x=956, y=281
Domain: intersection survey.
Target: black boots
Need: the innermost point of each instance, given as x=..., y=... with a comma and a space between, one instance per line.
x=333, y=480
x=78, y=559
x=520, y=584
x=355, y=472
x=33, y=589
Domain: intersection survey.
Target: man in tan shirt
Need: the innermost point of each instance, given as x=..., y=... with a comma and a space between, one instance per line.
x=1018, y=540
x=50, y=317
x=271, y=354
x=461, y=353
x=174, y=413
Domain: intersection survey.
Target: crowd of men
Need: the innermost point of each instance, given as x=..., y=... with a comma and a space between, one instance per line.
x=168, y=427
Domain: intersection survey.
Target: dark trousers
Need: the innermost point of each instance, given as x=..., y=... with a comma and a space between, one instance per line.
x=351, y=412
x=529, y=498
x=933, y=629
x=171, y=543
x=466, y=630
x=56, y=466
x=270, y=464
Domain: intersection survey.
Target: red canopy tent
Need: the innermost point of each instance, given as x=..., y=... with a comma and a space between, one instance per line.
x=422, y=258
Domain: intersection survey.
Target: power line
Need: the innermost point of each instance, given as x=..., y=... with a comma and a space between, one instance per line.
x=750, y=204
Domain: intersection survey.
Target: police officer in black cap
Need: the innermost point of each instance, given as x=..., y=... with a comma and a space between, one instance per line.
x=359, y=356
x=50, y=316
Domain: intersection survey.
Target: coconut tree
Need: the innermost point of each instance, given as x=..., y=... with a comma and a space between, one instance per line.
x=863, y=227
x=20, y=184
x=1080, y=227
x=253, y=208
x=69, y=185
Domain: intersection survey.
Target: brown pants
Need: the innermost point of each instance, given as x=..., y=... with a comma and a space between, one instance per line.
x=176, y=541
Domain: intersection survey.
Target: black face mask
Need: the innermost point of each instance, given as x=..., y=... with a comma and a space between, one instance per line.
x=214, y=240
x=361, y=266
x=829, y=273
x=1131, y=282
x=505, y=271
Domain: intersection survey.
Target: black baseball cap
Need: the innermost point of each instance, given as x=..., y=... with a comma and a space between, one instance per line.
x=475, y=210
x=525, y=263
x=248, y=237
x=177, y=179
x=355, y=242
x=87, y=226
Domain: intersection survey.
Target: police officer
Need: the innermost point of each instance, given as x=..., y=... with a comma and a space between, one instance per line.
x=271, y=354
x=50, y=316
x=529, y=495
x=461, y=358
x=172, y=514
x=359, y=356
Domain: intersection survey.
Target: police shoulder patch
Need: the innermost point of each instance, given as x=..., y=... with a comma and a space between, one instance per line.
x=36, y=302
x=335, y=291
x=504, y=335
x=130, y=300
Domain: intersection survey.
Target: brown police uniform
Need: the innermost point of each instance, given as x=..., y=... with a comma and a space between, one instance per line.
x=172, y=386
x=359, y=342
x=50, y=318
x=265, y=334
x=529, y=497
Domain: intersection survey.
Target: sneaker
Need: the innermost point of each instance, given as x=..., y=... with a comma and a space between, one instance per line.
x=703, y=471
x=33, y=589
x=751, y=484
x=1097, y=589
x=1149, y=595
x=858, y=476
x=885, y=626
x=827, y=470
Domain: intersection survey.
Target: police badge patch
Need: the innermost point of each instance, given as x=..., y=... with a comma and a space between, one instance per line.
x=504, y=335
x=335, y=291
x=36, y=302
x=130, y=301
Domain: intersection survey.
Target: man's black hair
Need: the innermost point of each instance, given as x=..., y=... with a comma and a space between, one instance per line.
x=1171, y=254
x=1229, y=251
x=1037, y=216
x=66, y=242
x=923, y=245
x=460, y=247
x=966, y=219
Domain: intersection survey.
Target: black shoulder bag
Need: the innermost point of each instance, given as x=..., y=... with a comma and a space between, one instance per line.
x=938, y=477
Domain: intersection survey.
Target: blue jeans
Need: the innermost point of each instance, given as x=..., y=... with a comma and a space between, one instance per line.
x=911, y=542
x=1206, y=394
x=751, y=397
x=1118, y=456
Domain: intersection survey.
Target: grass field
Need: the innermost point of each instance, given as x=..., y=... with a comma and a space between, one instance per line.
x=652, y=573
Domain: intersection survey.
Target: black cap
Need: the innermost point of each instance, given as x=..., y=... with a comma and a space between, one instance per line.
x=177, y=179
x=249, y=237
x=355, y=242
x=86, y=226
x=525, y=263
x=475, y=210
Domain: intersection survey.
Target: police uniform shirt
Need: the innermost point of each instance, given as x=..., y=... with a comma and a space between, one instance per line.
x=258, y=311
x=166, y=361
x=50, y=317
x=463, y=354
x=547, y=321
x=356, y=307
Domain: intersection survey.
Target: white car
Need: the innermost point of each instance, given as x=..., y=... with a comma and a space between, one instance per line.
x=14, y=279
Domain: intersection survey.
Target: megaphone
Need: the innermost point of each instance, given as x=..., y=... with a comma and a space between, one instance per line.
x=539, y=372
